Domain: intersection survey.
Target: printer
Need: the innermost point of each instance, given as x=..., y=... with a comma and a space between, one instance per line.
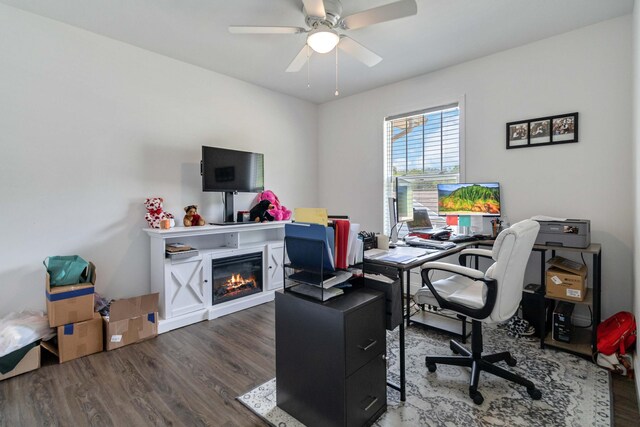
x=569, y=233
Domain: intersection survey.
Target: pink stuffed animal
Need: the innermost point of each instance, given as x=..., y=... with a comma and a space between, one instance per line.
x=154, y=212
x=279, y=212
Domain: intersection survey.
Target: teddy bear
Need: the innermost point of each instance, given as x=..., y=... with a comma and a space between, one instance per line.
x=155, y=214
x=278, y=212
x=260, y=212
x=192, y=218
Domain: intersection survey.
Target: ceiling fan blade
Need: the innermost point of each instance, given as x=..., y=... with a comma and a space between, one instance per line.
x=314, y=8
x=300, y=59
x=254, y=29
x=388, y=12
x=358, y=51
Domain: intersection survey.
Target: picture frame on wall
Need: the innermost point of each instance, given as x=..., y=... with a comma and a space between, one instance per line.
x=540, y=131
x=565, y=128
x=551, y=130
x=517, y=134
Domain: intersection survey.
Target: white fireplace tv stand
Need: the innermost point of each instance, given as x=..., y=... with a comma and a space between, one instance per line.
x=185, y=285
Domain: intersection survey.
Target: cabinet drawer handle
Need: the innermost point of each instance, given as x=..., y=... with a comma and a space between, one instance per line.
x=373, y=402
x=373, y=342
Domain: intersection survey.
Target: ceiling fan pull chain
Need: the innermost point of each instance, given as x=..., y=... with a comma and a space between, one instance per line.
x=308, y=80
x=337, y=93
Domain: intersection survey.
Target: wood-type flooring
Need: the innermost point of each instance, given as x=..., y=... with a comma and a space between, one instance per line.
x=187, y=377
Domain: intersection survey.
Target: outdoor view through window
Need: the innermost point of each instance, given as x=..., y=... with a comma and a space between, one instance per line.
x=424, y=147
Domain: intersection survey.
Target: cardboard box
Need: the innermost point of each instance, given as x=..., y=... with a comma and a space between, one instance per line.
x=29, y=362
x=72, y=303
x=566, y=279
x=77, y=339
x=131, y=320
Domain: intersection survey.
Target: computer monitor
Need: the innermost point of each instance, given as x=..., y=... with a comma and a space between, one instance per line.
x=404, y=200
x=469, y=199
x=421, y=220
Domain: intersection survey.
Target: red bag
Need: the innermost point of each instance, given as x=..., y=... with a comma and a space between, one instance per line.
x=617, y=333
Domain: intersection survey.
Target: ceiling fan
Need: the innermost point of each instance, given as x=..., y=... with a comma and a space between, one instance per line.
x=324, y=18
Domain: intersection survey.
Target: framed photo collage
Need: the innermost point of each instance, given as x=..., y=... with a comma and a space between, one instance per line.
x=542, y=131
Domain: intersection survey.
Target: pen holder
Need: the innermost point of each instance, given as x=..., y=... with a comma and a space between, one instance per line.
x=382, y=241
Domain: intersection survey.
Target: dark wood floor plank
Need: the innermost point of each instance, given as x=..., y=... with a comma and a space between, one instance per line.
x=187, y=377
x=625, y=402
x=41, y=401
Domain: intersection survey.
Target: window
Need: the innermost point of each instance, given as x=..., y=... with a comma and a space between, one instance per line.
x=425, y=147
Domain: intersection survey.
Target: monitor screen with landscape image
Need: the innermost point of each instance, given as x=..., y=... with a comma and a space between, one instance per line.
x=469, y=199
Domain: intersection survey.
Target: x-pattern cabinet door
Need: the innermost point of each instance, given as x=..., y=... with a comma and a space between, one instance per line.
x=189, y=285
x=275, y=274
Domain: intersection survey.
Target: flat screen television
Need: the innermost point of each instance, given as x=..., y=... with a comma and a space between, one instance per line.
x=469, y=199
x=230, y=172
x=227, y=170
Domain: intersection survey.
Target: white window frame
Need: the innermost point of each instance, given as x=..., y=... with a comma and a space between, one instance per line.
x=407, y=111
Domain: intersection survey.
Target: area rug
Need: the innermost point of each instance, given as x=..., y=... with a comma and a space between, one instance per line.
x=575, y=392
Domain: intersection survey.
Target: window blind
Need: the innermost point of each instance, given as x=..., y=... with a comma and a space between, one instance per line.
x=424, y=146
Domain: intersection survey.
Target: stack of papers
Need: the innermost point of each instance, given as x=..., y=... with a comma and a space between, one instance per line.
x=177, y=247
x=400, y=255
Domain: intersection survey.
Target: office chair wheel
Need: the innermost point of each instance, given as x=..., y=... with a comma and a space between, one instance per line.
x=477, y=397
x=453, y=348
x=511, y=361
x=534, y=393
x=431, y=366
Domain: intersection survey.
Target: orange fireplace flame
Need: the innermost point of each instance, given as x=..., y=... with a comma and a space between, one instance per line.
x=237, y=282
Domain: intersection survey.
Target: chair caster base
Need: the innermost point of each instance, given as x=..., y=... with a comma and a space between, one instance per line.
x=534, y=393
x=476, y=396
x=431, y=366
x=511, y=361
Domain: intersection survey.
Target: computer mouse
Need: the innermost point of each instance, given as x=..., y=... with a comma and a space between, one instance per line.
x=441, y=235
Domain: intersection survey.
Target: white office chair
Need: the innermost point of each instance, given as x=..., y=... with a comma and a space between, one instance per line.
x=489, y=297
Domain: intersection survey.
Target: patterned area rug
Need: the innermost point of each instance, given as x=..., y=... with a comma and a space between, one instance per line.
x=575, y=392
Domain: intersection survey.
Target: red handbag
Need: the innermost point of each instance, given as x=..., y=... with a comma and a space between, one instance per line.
x=617, y=333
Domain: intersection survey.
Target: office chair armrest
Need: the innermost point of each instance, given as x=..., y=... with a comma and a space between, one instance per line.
x=474, y=252
x=452, y=268
x=474, y=313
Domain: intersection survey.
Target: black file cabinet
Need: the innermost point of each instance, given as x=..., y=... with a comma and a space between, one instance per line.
x=330, y=358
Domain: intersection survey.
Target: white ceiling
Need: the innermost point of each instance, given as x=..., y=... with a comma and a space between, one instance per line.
x=443, y=33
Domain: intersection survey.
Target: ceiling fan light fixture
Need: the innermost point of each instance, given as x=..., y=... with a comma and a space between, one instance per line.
x=323, y=39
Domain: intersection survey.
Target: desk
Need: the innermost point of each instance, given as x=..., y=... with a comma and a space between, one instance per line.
x=581, y=349
x=403, y=270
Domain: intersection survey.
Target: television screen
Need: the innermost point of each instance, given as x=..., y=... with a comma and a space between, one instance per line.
x=231, y=170
x=404, y=200
x=469, y=199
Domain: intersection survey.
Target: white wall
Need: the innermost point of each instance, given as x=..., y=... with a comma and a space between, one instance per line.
x=90, y=127
x=587, y=70
x=636, y=175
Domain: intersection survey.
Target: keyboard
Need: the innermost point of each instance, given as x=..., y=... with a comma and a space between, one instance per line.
x=428, y=243
x=462, y=238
